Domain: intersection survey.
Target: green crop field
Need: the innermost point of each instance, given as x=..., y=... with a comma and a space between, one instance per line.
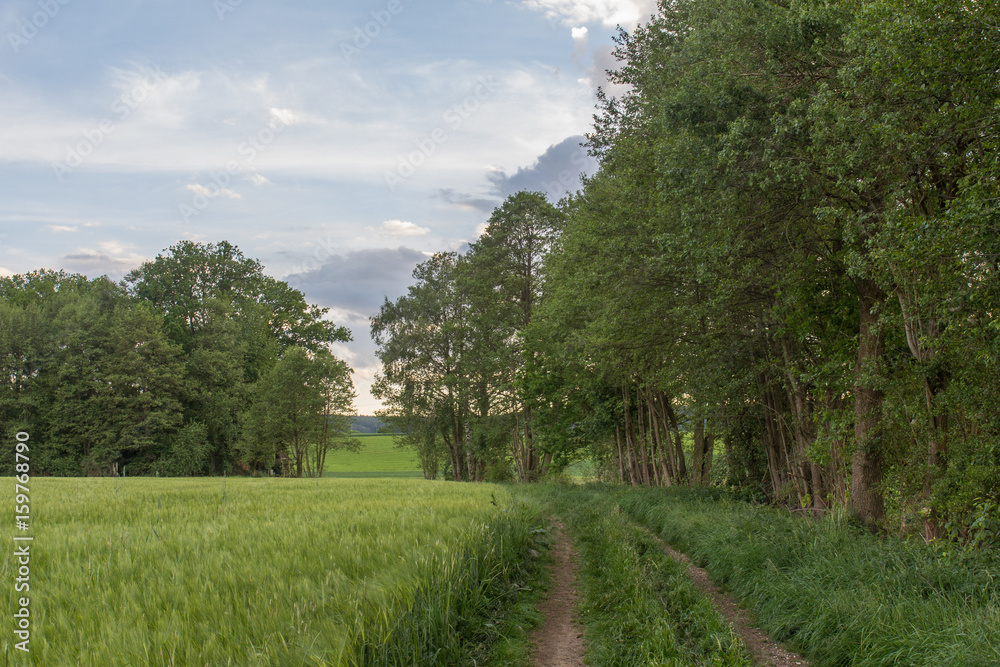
x=257, y=571
x=378, y=457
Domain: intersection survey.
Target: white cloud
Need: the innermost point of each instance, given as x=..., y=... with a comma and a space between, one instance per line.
x=579, y=33
x=258, y=180
x=402, y=228
x=61, y=228
x=159, y=98
x=606, y=12
x=181, y=127
x=117, y=248
x=111, y=258
x=212, y=192
x=5, y=273
x=282, y=117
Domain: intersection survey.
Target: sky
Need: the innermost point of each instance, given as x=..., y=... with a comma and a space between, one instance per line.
x=338, y=143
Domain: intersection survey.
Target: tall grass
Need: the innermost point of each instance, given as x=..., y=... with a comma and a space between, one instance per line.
x=639, y=606
x=264, y=571
x=835, y=592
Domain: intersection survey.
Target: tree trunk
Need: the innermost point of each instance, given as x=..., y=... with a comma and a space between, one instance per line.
x=709, y=452
x=629, y=441
x=643, y=450
x=665, y=474
x=678, y=444
x=775, y=453
x=866, y=465
x=623, y=476
x=698, y=452
x=922, y=336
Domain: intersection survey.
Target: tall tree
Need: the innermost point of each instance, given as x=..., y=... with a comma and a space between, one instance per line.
x=298, y=412
x=506, y=286
x=422, y=339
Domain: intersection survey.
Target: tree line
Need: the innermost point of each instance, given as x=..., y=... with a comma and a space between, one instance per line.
x=195, y=363
x=791, y=250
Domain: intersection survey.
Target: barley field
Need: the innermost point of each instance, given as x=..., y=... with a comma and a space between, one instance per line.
x=242, y=571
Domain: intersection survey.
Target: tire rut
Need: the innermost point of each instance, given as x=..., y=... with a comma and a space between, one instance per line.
x=559, y=641
x=765, y=651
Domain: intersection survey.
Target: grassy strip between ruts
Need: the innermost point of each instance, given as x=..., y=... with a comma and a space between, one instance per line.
x=838, y=594
x=639, y=606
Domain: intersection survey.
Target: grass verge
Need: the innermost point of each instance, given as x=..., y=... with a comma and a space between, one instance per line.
x=836, y=593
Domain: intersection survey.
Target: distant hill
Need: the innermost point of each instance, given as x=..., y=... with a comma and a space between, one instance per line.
x=364, y=424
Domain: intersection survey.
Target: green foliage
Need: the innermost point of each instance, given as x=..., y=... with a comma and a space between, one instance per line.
x=984, y=531
x=420, y=340
x=189, y=452
x=299, y=409
x=151, y=376
x=791, y=242
x=185, y=282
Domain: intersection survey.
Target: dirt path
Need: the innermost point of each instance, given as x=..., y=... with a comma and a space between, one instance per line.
x=765, y=651
x=559, y=641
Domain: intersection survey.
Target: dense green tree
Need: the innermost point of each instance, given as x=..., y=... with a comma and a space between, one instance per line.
x=112, y=384
x=299, y=410
x=233, y=322
x=151, y=376
x=422, y=339
x=505, y=283
x=185, y=282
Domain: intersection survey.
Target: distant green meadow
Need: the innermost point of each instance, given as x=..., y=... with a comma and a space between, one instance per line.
x=379, y=457
x=265, y=571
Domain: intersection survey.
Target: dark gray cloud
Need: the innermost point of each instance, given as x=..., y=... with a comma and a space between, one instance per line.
x=359, y=281
x=481, y=204
x=555, y=172
x=354, y=286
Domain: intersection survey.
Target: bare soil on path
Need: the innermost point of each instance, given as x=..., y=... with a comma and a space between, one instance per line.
x=765, y=651
x=559, y=640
